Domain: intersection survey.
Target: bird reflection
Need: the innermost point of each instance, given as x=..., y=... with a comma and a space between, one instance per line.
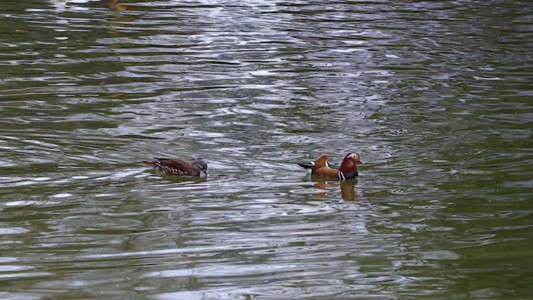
x=347, y=189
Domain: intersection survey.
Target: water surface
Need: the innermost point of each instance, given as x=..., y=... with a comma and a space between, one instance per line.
x=435, y=96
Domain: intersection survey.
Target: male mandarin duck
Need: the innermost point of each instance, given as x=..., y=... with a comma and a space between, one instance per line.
x=346, y=170
x=180, y=167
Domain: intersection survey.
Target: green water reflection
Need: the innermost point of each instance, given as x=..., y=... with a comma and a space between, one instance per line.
x=436, y=96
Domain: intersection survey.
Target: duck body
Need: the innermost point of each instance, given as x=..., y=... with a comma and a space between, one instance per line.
x=309, y=165
x=180, y=167
x=346, y=170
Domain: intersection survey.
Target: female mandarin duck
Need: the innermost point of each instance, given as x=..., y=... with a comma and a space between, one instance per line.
x=180, y=167
x=347, y=169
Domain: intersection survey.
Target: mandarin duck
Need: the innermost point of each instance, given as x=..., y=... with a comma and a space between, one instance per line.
x=322, y=167
x=180, y=167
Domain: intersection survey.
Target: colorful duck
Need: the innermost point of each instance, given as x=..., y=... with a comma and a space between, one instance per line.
x=322, y=167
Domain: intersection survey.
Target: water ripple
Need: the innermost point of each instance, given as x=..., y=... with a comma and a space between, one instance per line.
x=434, y=95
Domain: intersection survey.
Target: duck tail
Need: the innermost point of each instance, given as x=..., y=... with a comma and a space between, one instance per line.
x=307, y=164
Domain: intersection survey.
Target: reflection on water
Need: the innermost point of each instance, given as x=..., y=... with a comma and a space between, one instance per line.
x=347, y=189
x=436, y=95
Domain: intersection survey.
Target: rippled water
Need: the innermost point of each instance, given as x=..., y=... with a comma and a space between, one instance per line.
x=435, y=95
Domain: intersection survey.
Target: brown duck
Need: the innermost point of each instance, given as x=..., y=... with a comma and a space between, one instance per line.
x=180, y=167
x=346, y=170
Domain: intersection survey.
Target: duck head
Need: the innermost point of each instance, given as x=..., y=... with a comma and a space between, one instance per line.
x=200, y=165
x=348, y=166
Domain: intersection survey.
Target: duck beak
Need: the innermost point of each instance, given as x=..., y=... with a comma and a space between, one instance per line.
x=204, y=172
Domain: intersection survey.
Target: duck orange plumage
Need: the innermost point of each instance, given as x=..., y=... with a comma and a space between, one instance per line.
x=346, y=170
x=180, y=167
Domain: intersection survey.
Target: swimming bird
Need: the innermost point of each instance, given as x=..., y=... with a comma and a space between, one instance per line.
x=180, y=167
x=346, y=170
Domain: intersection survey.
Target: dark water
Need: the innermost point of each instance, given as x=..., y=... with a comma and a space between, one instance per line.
x=436, y=96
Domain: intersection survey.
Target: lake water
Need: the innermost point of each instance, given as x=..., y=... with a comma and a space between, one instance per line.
x=436, y=96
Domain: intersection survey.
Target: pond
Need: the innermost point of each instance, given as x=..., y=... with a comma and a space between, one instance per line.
x=436, y=97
